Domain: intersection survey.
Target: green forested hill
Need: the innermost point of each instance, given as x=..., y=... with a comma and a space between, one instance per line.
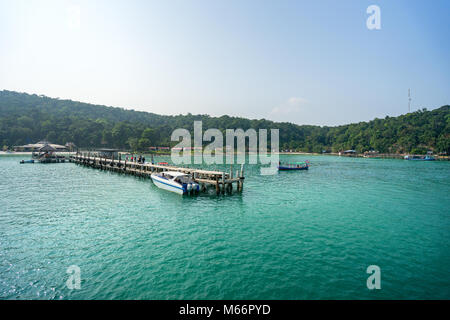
x=28, y=118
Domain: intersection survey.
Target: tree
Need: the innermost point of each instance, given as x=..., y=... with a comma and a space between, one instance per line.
x=133, y=143
x=143, y=144
x=29, y=118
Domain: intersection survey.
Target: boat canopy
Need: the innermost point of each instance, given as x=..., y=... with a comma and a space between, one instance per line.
x=175, y=174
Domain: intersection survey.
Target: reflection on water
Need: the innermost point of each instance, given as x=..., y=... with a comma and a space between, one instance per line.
x=293, y=235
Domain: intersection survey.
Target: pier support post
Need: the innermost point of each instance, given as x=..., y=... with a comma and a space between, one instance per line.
x=217, y=185
x=223, y=182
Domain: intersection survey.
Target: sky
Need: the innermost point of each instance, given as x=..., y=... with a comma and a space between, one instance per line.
x=306, y=62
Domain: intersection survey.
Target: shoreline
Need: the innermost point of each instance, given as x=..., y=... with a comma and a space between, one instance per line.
x=29, y=153
x=378, y=156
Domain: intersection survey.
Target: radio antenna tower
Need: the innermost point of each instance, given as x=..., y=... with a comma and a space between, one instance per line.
x=409, y=100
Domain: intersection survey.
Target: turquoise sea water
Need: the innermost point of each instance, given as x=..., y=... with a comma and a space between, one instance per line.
x=295, y=235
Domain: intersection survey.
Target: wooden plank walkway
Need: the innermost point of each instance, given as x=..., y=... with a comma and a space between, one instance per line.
x=222, y=181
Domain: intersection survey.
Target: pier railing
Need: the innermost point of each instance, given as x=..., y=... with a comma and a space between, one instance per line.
x=221, y=180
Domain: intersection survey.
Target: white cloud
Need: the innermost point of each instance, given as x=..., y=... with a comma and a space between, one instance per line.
x=74, y=17
x=292, y=105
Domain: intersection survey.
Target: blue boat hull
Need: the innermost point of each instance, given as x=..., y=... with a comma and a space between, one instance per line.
x=281, y=168
x=26, y=161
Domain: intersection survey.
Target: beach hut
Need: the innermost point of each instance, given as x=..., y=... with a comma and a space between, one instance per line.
x=47, y=149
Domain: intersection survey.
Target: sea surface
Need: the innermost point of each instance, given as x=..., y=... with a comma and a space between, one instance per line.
x=295, y=235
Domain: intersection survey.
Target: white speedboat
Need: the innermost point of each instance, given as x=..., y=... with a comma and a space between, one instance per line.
x=177, y=182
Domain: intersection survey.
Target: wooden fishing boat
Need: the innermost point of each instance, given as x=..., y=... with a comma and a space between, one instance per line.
x=293, y=166
x=26, y=161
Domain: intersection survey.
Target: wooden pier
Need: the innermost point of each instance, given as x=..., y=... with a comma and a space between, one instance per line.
x=220, y=180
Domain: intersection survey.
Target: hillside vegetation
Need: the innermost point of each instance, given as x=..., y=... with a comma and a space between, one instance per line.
x=26, y=118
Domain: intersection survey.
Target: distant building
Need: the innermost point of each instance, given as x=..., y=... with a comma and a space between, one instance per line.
x=347, y=152
x=159, y=148
x=371, y=154
x=192, y=148
x=71, y=146
x=39, y=145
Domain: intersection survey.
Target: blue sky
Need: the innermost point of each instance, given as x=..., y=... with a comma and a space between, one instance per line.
x=307, y=62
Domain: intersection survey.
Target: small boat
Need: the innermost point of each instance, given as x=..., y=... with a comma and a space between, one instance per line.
x=293, y=166
x=177, y=182
x=420, y=158
x=26, y=161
